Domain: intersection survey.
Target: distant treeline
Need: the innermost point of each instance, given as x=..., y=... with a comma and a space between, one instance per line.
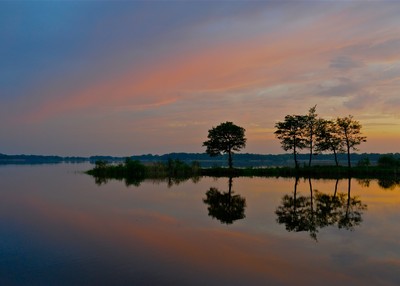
x=205, y=161
x=39, y=159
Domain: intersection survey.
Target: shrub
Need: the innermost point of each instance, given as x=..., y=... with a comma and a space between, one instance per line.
x=388, y=161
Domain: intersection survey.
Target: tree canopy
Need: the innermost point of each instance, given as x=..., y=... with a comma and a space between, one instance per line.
x=311, y=122
x=350, y=132
x=297, y=132
x=225, y=138
x=328, y=138
x=291, y=134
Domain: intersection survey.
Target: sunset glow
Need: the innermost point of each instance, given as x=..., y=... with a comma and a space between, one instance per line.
x=124, y=78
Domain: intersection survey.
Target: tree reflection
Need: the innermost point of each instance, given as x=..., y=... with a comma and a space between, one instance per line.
x=226, y=207
x=137, y=181
x=386, y=183
x=319, y=210
x=365, y=183
x=100, y=180
x=297, y=213
x=351, y=214
x=389, y=183
x=133, y=172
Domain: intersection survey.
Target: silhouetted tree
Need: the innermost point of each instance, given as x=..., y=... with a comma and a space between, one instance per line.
x=328, y=138
x=225, y=207
x=225, y=138
x=310, y=130
x=350, y=132
x=291, y=134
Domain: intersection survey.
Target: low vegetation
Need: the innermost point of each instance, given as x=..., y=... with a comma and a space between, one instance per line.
x=133, y=172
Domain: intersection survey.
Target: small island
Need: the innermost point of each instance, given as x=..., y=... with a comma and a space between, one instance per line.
x=296, y=132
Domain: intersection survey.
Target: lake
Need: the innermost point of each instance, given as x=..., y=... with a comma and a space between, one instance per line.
x=57, y=227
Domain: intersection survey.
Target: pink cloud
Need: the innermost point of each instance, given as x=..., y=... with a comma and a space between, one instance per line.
x=252, y=78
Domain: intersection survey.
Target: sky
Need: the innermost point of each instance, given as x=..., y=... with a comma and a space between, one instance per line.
x=136, y=77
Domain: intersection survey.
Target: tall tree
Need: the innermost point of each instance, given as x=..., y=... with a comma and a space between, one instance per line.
x=350, y=133
x=327, y=138
x=291, y=134
x=310, y=128
x=225, y=138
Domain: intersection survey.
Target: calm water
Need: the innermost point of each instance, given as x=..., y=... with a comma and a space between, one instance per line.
x=57, y=227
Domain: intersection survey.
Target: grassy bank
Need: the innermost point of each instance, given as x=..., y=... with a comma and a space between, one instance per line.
x=134, y=172
x=175, y=171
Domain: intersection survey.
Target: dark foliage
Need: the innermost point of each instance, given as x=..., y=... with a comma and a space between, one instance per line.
x=133, y=172
x=389, y=161
x=301, y=213
x=225, y=206
x=226, y=138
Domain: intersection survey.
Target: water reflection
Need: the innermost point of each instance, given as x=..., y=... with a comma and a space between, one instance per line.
x=226, y=207
x=136, y=181
x=365, y=183
x=386, y=183
x=57, y=225
x=389, y=183
x=319, y=210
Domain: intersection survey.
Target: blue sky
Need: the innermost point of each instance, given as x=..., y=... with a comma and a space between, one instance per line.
x=134, y=77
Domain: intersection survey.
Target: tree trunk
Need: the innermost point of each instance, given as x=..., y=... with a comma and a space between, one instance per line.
x=311, y=195
x=295, y=194
x=348, y=156
x=230, y=192
x=295, y=156
x=230, y=159
x=348, y=149
x=311, y=149
x=336, y=160
x=348, y=198
x=348, y=188
x=336, y=185
x=295, y=159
